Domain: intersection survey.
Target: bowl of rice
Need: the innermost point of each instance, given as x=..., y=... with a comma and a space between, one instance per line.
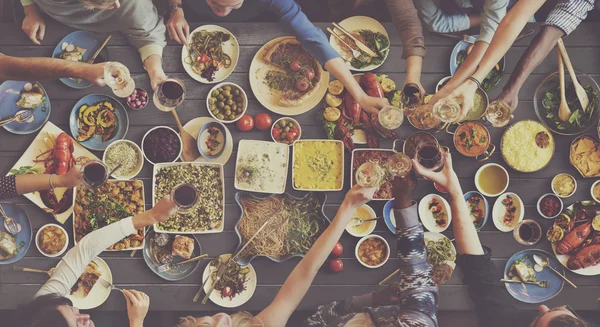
x=527, y=146
x=127, y=153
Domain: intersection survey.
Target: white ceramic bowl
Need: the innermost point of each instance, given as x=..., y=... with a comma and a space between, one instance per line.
x=574, y=190
x=387, y=257
x=140, y=156
x=477, y=179
x=499, y=209
x=244, y=97
x=59, y=253
x=592, y=190
x=167, y=127
x=540, y=201
x=287, y=119
x=372, y=214
x=427, y=217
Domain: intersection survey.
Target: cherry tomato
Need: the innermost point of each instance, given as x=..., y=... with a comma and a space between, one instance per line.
x=263, y=121
x=302, y=85
x=336, y=265
x=227, y=291
x=308, y=73
x=295, y=65
x=291, y=137
x=276, y=133
x=203, y=58
x=246, y=123
x=337, y=250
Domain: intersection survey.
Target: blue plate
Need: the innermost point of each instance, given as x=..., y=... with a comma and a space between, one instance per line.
x=10, y=93
x=23, y=239
x=180, y=271
x=222, y=128
x=83, y=39
x=462, y=45
x=388, y=216
x=469, y=195
x=95, y=142
x=532, y=293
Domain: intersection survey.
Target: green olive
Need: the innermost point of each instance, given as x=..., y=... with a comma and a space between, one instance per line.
x=212, y=100
x=227, y=107
x=220, y=89
x=237, y=92
x=281, y=124
x=221, y=97
x=287, y=129
x=220, y=116
x=215, y=112
x=232, y=117
x=227, y=87
x=234, y=106
x=227, y=112
x=229, y=102
x=220, y=105
x=239, y=110
x=215, y=93
x=213, y=107
x=227, y=93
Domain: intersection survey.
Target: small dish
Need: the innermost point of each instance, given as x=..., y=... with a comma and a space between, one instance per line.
x=178, y=272
x=139, y=95
x=217, y=141
x=374, y=236
x=495, y=169
x=596, y=183
x=483, y=206
x=431, y=205
x=551, y=195
x=279, y=128
x=367, y=227
x=555, y=180
x=64, y=248
x=140, y=159
x=499, y=210
x=215, y=93
x=156, y=128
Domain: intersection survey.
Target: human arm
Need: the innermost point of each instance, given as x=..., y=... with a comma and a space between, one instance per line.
x=177, y=26
x=300, y=279
x=437, y=21
x=16, y=68
x=33, y=24
x=13, y=185
x=74, y=262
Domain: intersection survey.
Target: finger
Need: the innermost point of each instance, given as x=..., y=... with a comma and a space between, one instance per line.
x=181, y=35
x=138, y=295
x=171, y=32
x=41, y=32
x=32, y=34
x=127, y=296
x=186, y=29
x=448, y=160
x=175, y=36
x=422, y=170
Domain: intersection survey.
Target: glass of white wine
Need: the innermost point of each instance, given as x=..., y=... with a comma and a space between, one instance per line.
x=119, y=79
x=391, y=117
x=498, y=113
x=399, y=164
x=368, y=175
x=447, y=111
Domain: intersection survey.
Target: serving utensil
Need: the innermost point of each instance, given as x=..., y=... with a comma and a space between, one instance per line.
x=543, y=261
x=579, y=90
x=91, y=61
x=387, y=279
x=115, y=169
x=47, y=272
x=359, y=44
x=540, y=283
x=21, y=116
x=563, y=110
x=356, y=54
x=109, y=285
x=169, y=266
x=360, y=221
x=188, y=143
x=11, y=225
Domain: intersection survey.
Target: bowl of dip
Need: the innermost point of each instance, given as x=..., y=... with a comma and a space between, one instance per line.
x=161, y=144
x=365, y=212
x=549, y=206
x=564, y=185
x=480, y=103
x=126, y=153
x=595, y=191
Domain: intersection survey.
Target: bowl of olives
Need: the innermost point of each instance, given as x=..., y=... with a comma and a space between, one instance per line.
x=227, y=102
x=286, y=130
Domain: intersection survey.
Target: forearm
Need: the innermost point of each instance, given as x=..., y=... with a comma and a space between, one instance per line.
x=414, y=64
x=468, y=67
x=39, y=68
x=467, y=239
x=27, y=183
x=337, y=67
x=406, y=19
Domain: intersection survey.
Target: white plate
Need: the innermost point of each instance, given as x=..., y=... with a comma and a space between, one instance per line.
x=372, y=224
x=351, y=24
x=231, y=47
x=427, y=217
x=193, y=127
x=99, y=293
x=239, y=299
x=269, y=100
x=499, y=210
x=245, y=146
x=563, y=258
x=340, y=144
x=429, y=236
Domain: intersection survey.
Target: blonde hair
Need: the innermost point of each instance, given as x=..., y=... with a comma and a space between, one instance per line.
x=239, y=319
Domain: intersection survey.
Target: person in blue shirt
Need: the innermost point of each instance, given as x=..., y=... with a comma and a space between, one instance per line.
x=289, y=12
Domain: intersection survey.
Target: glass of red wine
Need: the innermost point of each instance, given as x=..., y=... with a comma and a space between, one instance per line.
x=528, y=232
x=185, y=196
x=94, y=174
x=430, y=154
x=169, y=94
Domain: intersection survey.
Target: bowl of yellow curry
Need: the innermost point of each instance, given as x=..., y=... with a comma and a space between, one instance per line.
x=318, y=165
x=472, y=140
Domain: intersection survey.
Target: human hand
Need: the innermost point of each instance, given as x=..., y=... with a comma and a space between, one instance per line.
x=358, y=195
x=178, y=28
x=71, y=179
x=510, y=98
x=137, y=306
x=387, y=296
x=33, y=24
x=95, y=73
x=163, y=209
x=446, y=177
x=402, y=190
x=372, y=104
x=465, y=94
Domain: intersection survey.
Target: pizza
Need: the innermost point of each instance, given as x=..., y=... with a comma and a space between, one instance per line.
x=86, y=281
x=293, y=71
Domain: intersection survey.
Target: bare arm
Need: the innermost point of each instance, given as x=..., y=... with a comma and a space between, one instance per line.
x=28, y=183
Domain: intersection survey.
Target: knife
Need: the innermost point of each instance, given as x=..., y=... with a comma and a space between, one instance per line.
x=359, y=44
x=91, y=61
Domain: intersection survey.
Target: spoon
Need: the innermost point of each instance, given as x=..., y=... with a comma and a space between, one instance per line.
x=190, y=150
x=11, y=225
x=48, y=272
x=542, y=260
x=579, y=90
x=563, y=110
x=360, y=221
x=115, y=169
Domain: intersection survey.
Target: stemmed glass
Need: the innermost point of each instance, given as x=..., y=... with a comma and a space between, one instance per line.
x=430, y=154
x=94, y=174
x=119, y=79
x=185, y=196
x=169, y=95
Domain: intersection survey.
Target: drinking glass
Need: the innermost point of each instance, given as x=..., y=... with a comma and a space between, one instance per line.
x=399, y=164
x=94, y=174
x=528, y=232
x=430, y=154
x=391, y=117
x=411, y=97
x=447, y=111
x=368, y=175
x=185, y=196
x=169, y=95
x=498, y=113
x=117, y=76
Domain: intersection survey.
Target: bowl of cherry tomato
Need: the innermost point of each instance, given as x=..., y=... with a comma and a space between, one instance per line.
x=286, y=130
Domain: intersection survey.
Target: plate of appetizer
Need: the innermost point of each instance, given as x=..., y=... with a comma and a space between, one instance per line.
x=372, y=251
x=441, y=255
x=94, y=208
x=52, y=240
x=261, y=166
x=283, y=85
x=14, y=247
x=459, y=55
x=527, y=146
x=52, y=151
x=208, y=214
x=21, y=97
x=88, y=292
x=584, y=155
x=368, y=31
x=126, y=153
x=508, y=211
x=523, y=270
x=80, y=46
x=479, y=208
x=295, y=226
x=97, y=120
x=212, y=54
x=379, y=157
x=195, y=125
x=227, y=102
x=574, y=236
x=168, y=249
x=235, y=287
x=318, y=165
x=435, y=213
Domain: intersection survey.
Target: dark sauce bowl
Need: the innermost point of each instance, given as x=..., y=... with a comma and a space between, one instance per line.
x=150, y=156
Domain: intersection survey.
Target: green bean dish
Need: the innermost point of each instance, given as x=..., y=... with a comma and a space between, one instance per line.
x=206, y=55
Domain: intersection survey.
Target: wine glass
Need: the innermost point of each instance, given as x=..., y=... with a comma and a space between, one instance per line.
x=119, y=79
x=528, y=232
x=498, y=113
x=430, y=154
x=447, y=111
x=411, y=96
x=169, y=95
x=94, y=174
x=185, y=196
x=391, y=117
x=368, y=175
x=399, y=164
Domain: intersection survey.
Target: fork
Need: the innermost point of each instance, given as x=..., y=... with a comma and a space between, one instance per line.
x=170, y=266
x=109, y=285
x=20, y=117
x=10, y=224
x=355, y=53
x=541, y=283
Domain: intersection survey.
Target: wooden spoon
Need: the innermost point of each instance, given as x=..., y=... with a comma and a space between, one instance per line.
x=190, y=150
x=579, y=90
x=563, y=110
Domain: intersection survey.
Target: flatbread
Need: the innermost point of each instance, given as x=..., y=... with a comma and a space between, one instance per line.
x=86, y=281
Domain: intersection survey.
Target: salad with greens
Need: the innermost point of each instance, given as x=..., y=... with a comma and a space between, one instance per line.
x=580, y=119
x=377, y=42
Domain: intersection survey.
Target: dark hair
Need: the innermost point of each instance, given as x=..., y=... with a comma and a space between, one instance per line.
x=450, y=7
x=567, y=321
x=41, y=312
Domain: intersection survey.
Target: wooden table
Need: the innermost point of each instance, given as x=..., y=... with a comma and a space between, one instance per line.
x=16, y=287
